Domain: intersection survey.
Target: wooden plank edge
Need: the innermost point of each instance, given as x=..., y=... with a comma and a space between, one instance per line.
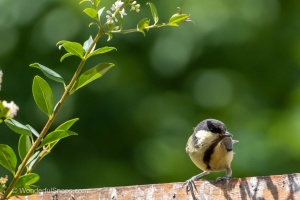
x=285, y=186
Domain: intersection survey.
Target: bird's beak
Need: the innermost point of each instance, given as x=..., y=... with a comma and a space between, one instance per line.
x=234, y=141
x=226, y=134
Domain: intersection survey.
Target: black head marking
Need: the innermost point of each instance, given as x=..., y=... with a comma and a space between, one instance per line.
x=212, y=125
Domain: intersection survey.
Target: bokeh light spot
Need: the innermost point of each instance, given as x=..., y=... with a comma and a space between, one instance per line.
x=170, y=54
x=60, y=24
x=212, y=89
x=8, y=40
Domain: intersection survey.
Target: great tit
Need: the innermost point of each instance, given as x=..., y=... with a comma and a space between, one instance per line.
x=210, y=148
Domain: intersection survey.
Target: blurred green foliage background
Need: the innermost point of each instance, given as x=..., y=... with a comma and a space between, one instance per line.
x=238, y=61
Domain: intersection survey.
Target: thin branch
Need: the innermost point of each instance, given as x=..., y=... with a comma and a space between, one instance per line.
x=43, y=133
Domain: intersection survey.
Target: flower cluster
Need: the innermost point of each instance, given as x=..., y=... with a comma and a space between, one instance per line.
x=3, y=181
x=118, y=8
x=135, y=6
x=7, y=110
x=12, y=109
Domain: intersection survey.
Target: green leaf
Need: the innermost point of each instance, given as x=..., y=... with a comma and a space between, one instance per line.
x=17, y=127
x=32, y=130
x=100, y=11
x=49, y=73
x=42, y=95
x=91, y=75
x=65, y=55
x=73, y=48
x=56, y=136
x=33, y=159
x=8, y=158
x=96, y=2
x=24, y=145
x=63, y=127
x=27, y=179
x=52, y=145
x=142, y=25
x=101, y=51
x=61, y=42
x=87, y=44
x=91, y=12
x=110, y=36
x=177, y=18
x=93, y=23
x=82, y=1
x=67, y=125
x=154, y=12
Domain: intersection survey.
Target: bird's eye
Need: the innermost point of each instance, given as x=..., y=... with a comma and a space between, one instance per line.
x=216, y=130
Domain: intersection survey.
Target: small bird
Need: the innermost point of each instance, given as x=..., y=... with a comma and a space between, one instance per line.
x=210, y=149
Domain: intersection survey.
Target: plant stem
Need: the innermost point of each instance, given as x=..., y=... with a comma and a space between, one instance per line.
x=136, y=30
x=34, y=146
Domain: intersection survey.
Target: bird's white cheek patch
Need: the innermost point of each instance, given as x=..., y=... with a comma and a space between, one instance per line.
x=205, y=136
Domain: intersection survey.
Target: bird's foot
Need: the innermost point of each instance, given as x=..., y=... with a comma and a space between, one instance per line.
x=191, y=186
x=226, y=178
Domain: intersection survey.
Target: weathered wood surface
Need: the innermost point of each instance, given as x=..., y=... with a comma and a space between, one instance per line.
x=278, y=187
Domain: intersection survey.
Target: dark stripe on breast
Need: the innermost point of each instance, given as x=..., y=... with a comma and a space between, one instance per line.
x=209, y=151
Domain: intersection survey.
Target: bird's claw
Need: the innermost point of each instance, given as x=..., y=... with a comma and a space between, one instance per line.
x=226, y=178
x=191, y=186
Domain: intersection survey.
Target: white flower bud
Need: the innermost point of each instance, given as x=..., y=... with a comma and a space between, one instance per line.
x=12, y=109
